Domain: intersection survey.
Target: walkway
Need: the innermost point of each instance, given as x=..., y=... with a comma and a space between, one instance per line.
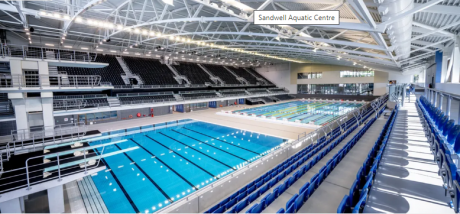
x=407, y=179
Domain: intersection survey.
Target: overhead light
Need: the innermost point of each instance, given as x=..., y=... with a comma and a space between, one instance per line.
x=99, y=50
x=113, y=51
x=126, y=52
x=84, y=48
x=67, y=46
x=47, y=44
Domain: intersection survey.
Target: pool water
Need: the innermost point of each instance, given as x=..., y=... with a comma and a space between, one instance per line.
x=172, y=160
x=318, y=113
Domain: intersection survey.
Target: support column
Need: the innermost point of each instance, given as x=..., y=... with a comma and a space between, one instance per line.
x=456, y=61
x=22, y=121
x=11, y=206
x=43, y=70
x=56, y=199
x=447, y=54
x=48, y=117
x=438, y=61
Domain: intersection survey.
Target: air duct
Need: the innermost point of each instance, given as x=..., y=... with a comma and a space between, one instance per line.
x=401, y=30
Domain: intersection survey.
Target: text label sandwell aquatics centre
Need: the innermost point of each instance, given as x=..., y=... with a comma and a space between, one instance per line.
x=308, y=17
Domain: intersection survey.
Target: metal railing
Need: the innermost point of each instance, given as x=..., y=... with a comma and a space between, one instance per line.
x=37, y=136
x=134, y=102
x=85, y=96
x=41, y=80
x=199, y=97
x=35, y=173
x=35, y=52
x=436, y=97
x=198, y=91
x=144, y=94
x=286, y=147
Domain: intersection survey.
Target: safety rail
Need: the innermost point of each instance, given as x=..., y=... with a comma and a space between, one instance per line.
x=199, y=97
x=43, y=135
x=302, y=138
x=33, y=175
x=42, y=80
x=256, y=89
x=34, y=52
x=436, y=97
x=196, y=92
x=144, y=94
x=134, y=102
x=84, y=96
x=229, y=90
x=6, y=107
x=147, y=86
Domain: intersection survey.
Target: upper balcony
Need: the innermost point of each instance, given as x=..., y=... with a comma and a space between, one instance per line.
x=44, y=83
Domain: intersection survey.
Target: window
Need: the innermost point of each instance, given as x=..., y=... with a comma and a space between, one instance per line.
x=344, y=74
x=311, y=75
x=345, y=89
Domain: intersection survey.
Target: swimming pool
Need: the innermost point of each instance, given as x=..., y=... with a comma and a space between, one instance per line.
x=309, y=112
x=172, y=160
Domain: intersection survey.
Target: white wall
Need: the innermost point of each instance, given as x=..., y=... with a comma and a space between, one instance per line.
x=280, y=75
x=400, y=78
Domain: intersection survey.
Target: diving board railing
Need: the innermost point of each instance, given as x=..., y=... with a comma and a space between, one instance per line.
x=211, y=194
x=39, y=137
x=33, y=174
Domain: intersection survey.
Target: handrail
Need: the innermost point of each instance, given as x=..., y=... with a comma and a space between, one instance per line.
x=60, y=170
x=144, y=94
x=84, y=96
x=37, y=52
x=45, y=80
x=126, y=102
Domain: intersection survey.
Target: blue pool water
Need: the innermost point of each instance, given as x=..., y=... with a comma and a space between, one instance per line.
x=172, y=160
x=320, y=113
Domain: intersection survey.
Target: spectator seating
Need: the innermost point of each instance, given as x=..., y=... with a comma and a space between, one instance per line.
x=77, y=103
x=257, y=188
x=444, y=139
x=243, y=73
x=283, y=97
x=222, y=73
x=111, y=73
x=146, y=99
x=296, y=201
x=258, y=91
x=276, y=90
x=259, y=76
x=151, y=71
x=359, y=191
x=193, y=72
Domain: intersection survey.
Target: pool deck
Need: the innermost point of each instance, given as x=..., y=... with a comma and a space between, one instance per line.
x=210, y=116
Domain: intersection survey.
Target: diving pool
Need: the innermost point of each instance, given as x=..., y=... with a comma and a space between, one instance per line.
x=172, y=160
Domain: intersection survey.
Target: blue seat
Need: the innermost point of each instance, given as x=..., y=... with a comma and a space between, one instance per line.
x=230, y=204
x=251, y=189
x=253, y=196
x=361, y=204
x=344, y=207
x=264, y=188
x=299, y=201
x=219, y=210
x=242, y=196
x=240, y=206
x=280, y=210
x=213, y=208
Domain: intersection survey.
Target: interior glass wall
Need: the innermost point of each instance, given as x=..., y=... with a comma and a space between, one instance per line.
x=356, y=74
x=346, y=88
x=311, y=75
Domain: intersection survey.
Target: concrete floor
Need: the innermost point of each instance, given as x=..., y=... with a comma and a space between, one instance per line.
x=210, y=116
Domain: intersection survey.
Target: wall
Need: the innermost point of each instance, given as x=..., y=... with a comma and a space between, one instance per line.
x=400, y=78
x=380, y=83
x=279, y=74
x=330, y=74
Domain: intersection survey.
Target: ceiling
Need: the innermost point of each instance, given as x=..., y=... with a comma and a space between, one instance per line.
x=223, y=29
